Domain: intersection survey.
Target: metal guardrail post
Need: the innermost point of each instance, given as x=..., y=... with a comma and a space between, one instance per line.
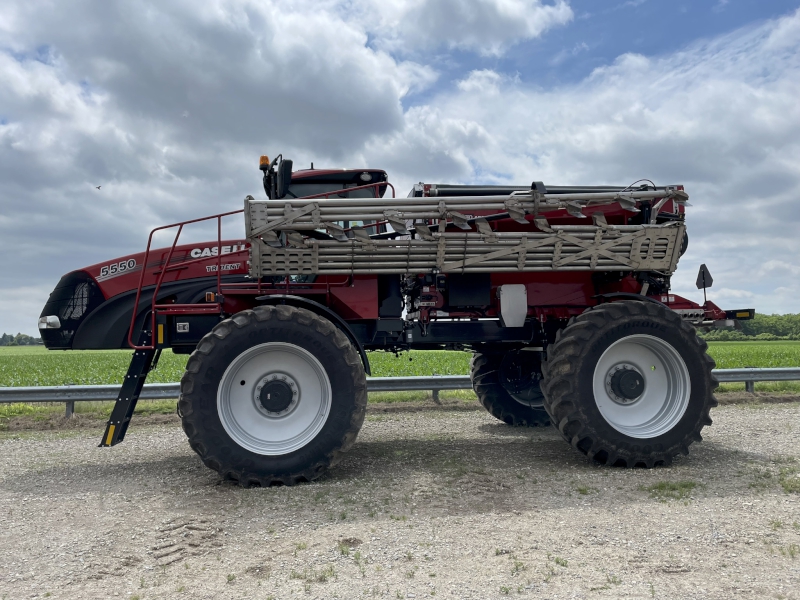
x=750, y=384
x=70, y=409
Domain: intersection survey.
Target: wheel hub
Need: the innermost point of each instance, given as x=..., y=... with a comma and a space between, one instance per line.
x=624, y=383
x=276, y=394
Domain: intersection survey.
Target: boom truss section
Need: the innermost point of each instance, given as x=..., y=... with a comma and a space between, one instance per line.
x=280, y=243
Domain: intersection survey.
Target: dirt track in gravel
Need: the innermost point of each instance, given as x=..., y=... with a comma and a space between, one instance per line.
x=429, y=502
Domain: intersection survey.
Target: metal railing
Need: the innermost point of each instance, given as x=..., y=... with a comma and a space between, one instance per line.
x=167, y=391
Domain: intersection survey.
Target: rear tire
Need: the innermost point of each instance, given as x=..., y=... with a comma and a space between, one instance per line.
x=629, y=384
x=525, y=411
x=273, y=395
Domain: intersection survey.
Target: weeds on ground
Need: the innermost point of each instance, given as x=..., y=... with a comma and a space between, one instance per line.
x=550, y=572
x=518, y=567
x=670, y=490
x=613, y=580
x=782, y=470
x=789, y=479
x=312, y=576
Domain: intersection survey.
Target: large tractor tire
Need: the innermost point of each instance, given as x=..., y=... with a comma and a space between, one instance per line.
x=629, y=384
x=273, y=395
x=510, y=396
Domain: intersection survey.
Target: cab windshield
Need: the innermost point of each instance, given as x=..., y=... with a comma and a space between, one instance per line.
x=300, y=190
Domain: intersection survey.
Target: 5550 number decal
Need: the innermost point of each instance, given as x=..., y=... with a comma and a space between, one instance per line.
x=118, y=268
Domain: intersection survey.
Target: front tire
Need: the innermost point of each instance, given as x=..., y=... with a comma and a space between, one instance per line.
x=629, y=384
x=273, y=395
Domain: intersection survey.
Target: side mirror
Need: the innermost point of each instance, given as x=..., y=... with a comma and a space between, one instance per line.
x=284, y=178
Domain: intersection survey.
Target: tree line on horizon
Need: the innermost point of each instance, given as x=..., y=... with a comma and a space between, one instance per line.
x=21, y=339
x=761, y=328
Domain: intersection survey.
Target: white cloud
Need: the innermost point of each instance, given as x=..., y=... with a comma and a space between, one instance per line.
x=488, y=27
x=565, y=54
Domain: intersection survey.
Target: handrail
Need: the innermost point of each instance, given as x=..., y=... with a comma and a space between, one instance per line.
x=162, y=273
x=182, y=264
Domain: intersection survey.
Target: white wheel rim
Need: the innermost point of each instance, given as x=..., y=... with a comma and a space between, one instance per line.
x=249, y=423
x=667, y=386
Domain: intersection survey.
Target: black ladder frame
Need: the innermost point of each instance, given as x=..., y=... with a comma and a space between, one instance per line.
x=142, y=362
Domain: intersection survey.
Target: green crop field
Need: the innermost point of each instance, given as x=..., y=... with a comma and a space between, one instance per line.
x=34, y=365
x=29, y=366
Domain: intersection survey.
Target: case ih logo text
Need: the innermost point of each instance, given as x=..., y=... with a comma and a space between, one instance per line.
x=214, y=251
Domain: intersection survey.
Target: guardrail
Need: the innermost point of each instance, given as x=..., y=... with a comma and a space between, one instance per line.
x=166, y=391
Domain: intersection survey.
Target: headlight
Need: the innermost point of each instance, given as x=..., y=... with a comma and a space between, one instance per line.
x=49, y=322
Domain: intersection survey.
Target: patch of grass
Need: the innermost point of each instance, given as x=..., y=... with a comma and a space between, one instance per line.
x=791, y=551
x=561, y=562
x=776, y=524
x=585, y=490
x=670, y=490
x=312, y=576
x=762, y=479
x=789, y=479
x=231, y=578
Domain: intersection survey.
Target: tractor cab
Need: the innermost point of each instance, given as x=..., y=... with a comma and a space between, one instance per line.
x=281, y=182
x=325, y=184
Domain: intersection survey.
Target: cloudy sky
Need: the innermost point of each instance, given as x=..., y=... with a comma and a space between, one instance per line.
x=167, y=105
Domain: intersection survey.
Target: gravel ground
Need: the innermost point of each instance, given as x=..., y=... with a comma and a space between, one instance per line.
x=434, y=503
